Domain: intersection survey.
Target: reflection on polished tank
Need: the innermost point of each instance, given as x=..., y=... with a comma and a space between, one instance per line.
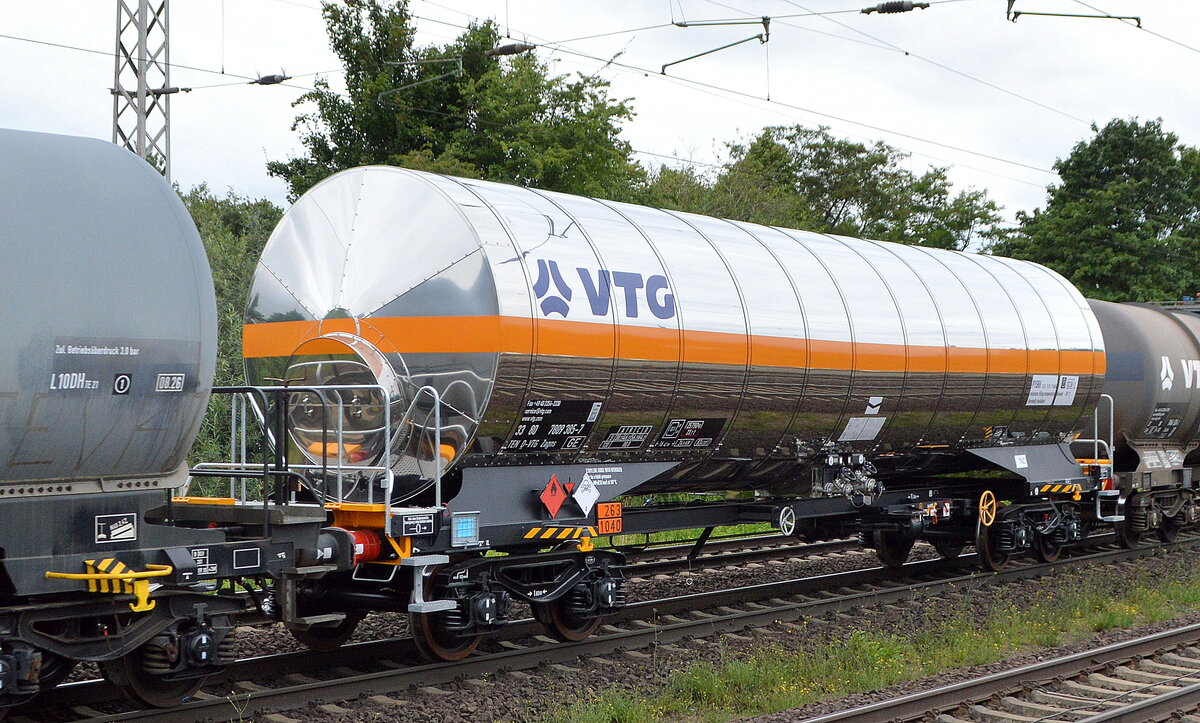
x=110, y=323
x=565, y=329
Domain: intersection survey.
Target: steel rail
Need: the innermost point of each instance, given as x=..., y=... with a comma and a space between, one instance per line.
x=655, y=622
x=945, y=698
x=714, y=541
x=740, y=556
x=1165, y=707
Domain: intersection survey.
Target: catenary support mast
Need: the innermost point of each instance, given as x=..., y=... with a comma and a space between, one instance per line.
x=142, y=82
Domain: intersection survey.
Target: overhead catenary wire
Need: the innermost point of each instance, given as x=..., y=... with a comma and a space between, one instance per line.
x=242, y=79
x=677, y=158
x=787, y=114
x=896, y=48
x=1142, y=27
x=111, y=54
x=559, y=45
x=701, y=84
x=743, y=94
x=812, y=13
x=751, y=101
x=675, y=23
x=808, y=12
x=249, y=79
x=626, y=31
x=663, y=155
x=704, y=87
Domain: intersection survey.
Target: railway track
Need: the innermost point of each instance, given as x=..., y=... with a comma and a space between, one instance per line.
x=657, y=560
x=283, y=682
x=739, y=551
x=1153, y=678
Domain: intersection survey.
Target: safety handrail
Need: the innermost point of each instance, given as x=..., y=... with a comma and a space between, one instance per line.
x=254, y=401
x=437, y=447
x=1096, y=440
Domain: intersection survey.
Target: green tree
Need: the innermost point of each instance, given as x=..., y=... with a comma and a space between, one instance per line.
x=809, y=179
x=234, y=230
x=680, y=189
x=1124, y=223
x=504, y=119
x=760, y=185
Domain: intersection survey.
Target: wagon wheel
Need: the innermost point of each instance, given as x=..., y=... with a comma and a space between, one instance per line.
x=563, y=624
x=55, y=670
x=949, y=549
x=432, y=637
x=993, y=560
x=130, y=675
x=1168, y=531
x=325, y=638
x=1046, y=549
x=893, y=547
x=1128, y=537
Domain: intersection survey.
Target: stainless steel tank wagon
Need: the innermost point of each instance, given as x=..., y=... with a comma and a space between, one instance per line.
x=559, y=329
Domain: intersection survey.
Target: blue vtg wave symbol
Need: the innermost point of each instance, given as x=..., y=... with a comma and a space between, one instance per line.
x=598, y=285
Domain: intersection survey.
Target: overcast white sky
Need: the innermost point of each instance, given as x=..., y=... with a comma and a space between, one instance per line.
x=1084, y=70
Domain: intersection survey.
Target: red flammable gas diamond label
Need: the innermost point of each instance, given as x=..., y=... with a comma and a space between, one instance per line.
x=553, y=496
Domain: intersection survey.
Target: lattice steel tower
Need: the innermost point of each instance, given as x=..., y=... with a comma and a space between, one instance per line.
x=142, y=82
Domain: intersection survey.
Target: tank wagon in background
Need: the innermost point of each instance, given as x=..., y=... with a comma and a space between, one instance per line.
x=454, y=387
x=1153, y=413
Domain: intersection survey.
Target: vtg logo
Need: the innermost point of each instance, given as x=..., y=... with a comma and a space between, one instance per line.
x=1189, y=369
x=598, y=287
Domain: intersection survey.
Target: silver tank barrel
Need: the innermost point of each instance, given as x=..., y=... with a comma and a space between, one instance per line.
x=109, y=339
x=561, y=328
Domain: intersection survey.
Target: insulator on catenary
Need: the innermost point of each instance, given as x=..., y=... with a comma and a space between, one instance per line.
x=510, y=49
x=271, y=79
x=896, y=6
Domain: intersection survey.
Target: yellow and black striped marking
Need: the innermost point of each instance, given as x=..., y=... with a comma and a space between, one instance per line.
x=112, y=575
x=559, y=533
x=1054, y=489
x=112, y=567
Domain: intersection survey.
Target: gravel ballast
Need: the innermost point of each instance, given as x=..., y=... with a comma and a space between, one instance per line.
x=532, y=695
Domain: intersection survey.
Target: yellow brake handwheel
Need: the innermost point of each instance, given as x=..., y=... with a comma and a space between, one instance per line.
x=987, y=508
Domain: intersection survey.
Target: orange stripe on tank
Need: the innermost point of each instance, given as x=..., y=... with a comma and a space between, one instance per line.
x=575, y=338
x=500, y=334
x=641, y=342
x=964, y=360
x=775, y=351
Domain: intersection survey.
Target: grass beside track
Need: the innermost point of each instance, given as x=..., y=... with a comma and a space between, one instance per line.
x=953, y=635
x=682, y=536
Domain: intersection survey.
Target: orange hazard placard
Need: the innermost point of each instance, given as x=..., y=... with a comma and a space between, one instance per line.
x=608, y=510
x=609, y=526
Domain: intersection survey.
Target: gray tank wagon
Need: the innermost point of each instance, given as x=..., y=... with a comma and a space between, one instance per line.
x=560, y=329
x=1153, y=379
x=108, y=355
x=110, y=334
